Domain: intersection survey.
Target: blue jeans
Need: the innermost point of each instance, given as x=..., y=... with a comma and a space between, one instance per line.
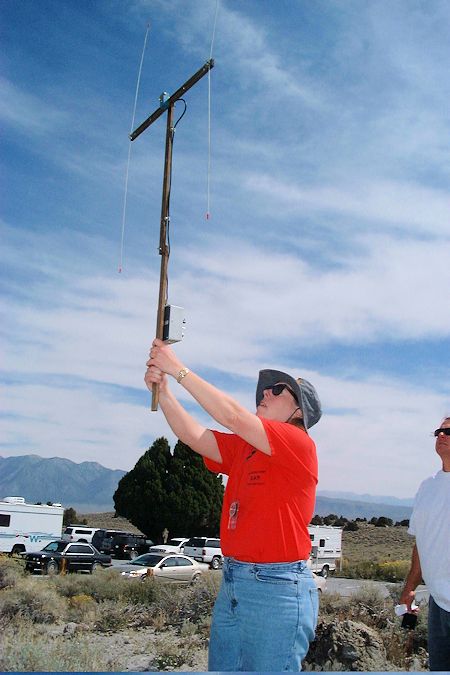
x=264, y=617
x=438, y=637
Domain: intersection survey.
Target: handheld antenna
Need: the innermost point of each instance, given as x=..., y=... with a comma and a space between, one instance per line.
x=208, y=177
x=166, y=105
x=124, y=211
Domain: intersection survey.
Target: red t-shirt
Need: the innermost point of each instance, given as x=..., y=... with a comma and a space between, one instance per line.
x=269, y=499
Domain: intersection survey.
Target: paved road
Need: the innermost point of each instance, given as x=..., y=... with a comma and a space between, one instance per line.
x=347, y=587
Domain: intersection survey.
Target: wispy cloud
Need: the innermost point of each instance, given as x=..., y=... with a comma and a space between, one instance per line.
x=95, y=332
x=28, y=113
x=412, y=207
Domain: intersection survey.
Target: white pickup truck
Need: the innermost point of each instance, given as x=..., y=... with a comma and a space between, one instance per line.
x=205, y=549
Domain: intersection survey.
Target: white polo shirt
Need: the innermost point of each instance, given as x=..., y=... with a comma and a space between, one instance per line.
x=430, y=524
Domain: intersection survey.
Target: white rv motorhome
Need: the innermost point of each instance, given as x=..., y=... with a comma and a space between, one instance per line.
x=28, y=527
x=326, y=542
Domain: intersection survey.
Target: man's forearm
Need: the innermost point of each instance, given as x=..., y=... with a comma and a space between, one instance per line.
x=414, y=577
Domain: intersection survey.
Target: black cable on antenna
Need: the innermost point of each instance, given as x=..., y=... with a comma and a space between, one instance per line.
x=169, y=191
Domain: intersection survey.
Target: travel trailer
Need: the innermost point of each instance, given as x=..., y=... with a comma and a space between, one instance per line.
x=25, y=528
x=326, y=542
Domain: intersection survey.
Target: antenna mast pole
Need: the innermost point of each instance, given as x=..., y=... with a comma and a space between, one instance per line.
x=163, y=243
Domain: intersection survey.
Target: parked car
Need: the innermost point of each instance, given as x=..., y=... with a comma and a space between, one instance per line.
x=130, y=545
x=102, y=539
x=175, y=545
x=321, y=582
x=175, y=568
x=205, y=549
x=61, y=555
x=79, y=533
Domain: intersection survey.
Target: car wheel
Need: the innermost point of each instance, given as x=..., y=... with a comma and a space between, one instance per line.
x=196, y=578
x=95, y=566
x=215, y=563
x=133, y=555
x=325, y=571
x=52, y=568
x=17, y=550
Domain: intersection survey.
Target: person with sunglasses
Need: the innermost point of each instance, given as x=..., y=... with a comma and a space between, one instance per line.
x=266, y=611
x=430, y=524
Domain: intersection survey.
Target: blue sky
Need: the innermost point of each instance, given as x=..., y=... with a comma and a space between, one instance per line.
x=326, y=254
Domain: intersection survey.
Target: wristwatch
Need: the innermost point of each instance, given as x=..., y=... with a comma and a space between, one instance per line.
x=183, y=372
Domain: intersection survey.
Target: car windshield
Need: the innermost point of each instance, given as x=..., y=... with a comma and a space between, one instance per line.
x=147, y=560
x=55, y=546
x=174, y=542
x=195, y=542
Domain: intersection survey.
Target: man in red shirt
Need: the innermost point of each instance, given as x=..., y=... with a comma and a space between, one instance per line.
x=266, y=611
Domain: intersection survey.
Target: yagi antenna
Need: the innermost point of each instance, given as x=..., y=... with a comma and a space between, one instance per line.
x=167, y=105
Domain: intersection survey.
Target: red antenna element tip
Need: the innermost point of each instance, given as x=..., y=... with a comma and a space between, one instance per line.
x=120, y=270
x=207, y=215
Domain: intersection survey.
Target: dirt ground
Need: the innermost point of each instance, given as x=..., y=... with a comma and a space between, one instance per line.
x=143, y=649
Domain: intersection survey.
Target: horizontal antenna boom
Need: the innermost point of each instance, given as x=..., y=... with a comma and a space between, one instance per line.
x=171, y=100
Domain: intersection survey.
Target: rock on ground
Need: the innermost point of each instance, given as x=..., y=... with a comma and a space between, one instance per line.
x=346, y=645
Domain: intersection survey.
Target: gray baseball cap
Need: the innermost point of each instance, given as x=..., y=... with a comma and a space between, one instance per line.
x=307, y=397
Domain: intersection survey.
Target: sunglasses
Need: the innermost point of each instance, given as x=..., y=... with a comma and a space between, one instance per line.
x=276, y=390
x=445, y=431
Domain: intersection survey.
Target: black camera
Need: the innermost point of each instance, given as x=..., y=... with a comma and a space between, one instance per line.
x=409, y=621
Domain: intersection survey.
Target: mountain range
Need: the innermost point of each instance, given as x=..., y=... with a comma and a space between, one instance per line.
x=88, y=487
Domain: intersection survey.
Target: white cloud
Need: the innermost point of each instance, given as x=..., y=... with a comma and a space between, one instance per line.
x=28, y=113
x=242, y=303
x=374, y=444
x=81, y=424
x=411, y=207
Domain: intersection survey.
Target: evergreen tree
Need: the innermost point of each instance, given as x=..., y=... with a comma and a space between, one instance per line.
x=176, y=492
x=384, y=522
x=317, y=520
x=351, y=526
x=340, y=522
x=198, y=500
x=329, y=520
x=70, y=516
x=141, y=493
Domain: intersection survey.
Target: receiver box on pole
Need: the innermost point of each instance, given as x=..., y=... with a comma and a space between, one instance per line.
x=174, y=324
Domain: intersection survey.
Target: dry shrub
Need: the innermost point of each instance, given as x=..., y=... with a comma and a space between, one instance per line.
x=387, y=570
x=104, y=585
x=113, y=616
x=160, y=620
x=26, y=649
x=174, y=654
x=393, y=570
x=12, y=570
x=33, y=601
x=163, y=605
x=140, y=592
x=191, y=604
x=82, y=609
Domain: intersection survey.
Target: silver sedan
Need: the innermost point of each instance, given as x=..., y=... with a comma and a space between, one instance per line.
x=321, y=583
x=174, y=568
